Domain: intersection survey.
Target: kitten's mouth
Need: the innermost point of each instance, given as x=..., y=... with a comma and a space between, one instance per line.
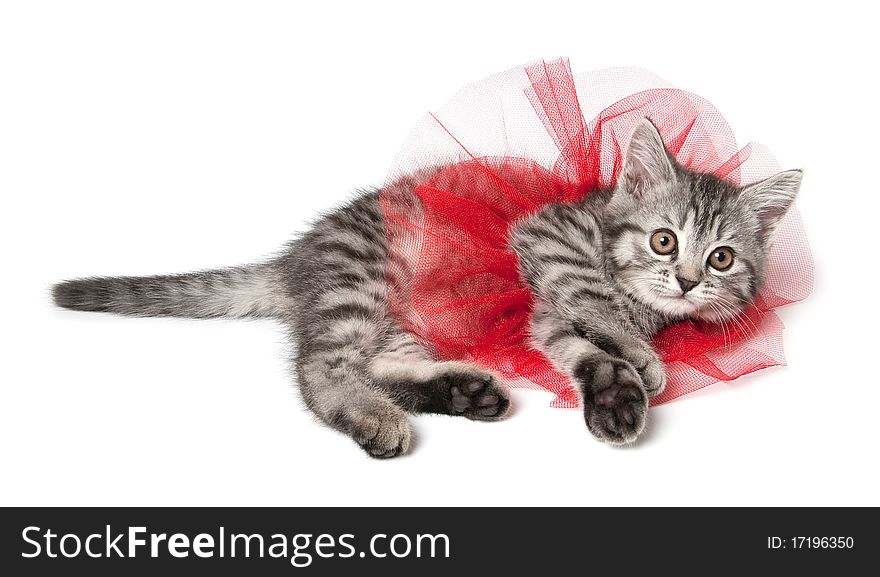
x=670, y=303
x=681, y=303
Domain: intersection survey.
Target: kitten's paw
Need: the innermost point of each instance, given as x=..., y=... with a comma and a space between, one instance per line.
x=615, y=402
x=474, y=394
x=383, y=433
x=653, y=374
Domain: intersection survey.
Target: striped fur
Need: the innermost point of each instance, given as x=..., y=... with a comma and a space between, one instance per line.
x=598, y=290
x=356, y=369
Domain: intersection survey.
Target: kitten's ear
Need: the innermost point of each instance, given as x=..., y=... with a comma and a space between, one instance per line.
x=647, y=164
x=771, y=199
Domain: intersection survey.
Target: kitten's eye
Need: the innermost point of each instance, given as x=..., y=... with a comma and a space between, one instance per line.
x=721, y=258
x=663, y=241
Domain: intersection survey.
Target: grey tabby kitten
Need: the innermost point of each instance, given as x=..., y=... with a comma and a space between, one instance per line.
x=666, y=244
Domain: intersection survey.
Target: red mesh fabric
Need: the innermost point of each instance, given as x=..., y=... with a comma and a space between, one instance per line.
x=510, y=144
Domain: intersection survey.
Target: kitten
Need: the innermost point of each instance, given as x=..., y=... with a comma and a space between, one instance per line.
x=609, y=271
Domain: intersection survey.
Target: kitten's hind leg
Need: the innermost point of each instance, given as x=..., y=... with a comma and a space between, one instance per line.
x=334, y=379
x=419, y=384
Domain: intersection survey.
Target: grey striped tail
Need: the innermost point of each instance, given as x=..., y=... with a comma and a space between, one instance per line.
x=250, y=291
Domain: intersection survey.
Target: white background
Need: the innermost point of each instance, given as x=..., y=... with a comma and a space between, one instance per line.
x=152, y=137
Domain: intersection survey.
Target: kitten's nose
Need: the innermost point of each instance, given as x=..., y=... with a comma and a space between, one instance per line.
x=686, y=284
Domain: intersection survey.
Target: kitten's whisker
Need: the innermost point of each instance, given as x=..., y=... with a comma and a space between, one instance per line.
x=720, y=321
x=749, y=331
x=739, y=316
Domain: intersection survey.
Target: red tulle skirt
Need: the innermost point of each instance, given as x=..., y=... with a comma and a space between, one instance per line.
x=520, y=139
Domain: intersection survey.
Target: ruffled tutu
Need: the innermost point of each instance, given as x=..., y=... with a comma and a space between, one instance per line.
x=518, y=140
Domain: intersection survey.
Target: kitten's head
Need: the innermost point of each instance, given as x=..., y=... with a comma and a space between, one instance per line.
x=688, y=244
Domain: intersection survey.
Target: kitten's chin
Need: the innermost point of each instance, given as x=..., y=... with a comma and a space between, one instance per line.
x=711, y=315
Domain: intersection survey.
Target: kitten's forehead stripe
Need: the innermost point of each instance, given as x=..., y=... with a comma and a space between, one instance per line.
x=617, y=230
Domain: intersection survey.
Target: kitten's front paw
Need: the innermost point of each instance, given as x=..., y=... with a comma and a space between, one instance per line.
x=383, y=433
x=476, y=395
x=615, y=402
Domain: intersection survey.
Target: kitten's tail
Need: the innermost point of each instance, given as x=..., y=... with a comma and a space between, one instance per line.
x=249, y=291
